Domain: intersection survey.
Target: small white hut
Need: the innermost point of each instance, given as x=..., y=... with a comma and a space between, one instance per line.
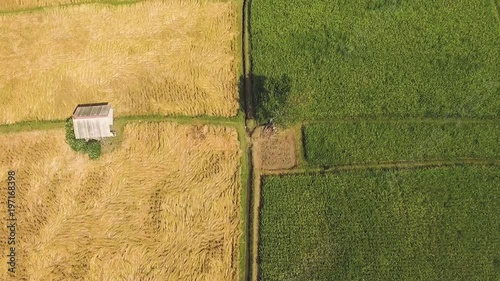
x=93, y=121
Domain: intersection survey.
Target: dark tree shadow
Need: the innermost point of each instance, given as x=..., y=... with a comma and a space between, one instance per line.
x=245, y=96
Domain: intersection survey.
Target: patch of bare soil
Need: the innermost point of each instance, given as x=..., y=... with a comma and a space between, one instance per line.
x=274, y=150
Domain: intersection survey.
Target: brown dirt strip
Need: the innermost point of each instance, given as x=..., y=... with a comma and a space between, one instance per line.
x=254, y=274
x=253, y=188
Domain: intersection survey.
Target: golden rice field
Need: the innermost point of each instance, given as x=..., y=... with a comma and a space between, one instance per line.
x=163, y=206
x=152, y=57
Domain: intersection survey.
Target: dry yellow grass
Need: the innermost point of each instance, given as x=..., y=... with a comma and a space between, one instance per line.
x=164, y=206
x=153, y=57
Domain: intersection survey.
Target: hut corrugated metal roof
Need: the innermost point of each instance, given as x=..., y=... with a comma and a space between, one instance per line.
x=91, y=110
x=93, y=121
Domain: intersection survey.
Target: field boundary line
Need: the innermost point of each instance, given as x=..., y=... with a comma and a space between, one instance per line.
x=247, y=69
x=249, y=213
x=31, y=126
x=404, y=120
x=253, y=188
x=256, y=197
x=387, y=165
x=54, y=124
x=46, y=7
x=182, y=119
x=245, y=197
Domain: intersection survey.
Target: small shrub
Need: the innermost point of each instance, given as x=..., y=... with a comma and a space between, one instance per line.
x=91, y=147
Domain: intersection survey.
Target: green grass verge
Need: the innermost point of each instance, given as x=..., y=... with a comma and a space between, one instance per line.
x=373, y=142
x=36, y=7
x=375, y=58
x=424, y=224
x=246, y=169
x=54, y=124
x=31, y=126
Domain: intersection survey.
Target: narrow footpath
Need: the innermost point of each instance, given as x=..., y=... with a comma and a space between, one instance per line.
x=253, y=188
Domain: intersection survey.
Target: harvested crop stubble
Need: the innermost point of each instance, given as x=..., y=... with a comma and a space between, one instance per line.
x=154, y=57
x=165, y=206
x=274, y=151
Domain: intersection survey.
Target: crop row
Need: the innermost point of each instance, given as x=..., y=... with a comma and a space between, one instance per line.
x=375, y=58
x=373, y=142
x=423, y=224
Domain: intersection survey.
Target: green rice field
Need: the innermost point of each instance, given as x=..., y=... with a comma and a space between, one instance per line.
x=422, y=224
x=375, y=58
x=374, y=142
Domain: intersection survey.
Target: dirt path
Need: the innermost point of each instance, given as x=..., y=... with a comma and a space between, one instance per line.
x=253, y=188
x=247, y=70
x=255, y=222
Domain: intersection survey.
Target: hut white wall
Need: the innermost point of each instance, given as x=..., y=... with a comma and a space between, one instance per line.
x=110, y=117
x=93, y=128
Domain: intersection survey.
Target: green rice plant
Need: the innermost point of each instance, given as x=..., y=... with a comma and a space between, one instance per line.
x=379, y=58
x=422, y=224
x=374, y=142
